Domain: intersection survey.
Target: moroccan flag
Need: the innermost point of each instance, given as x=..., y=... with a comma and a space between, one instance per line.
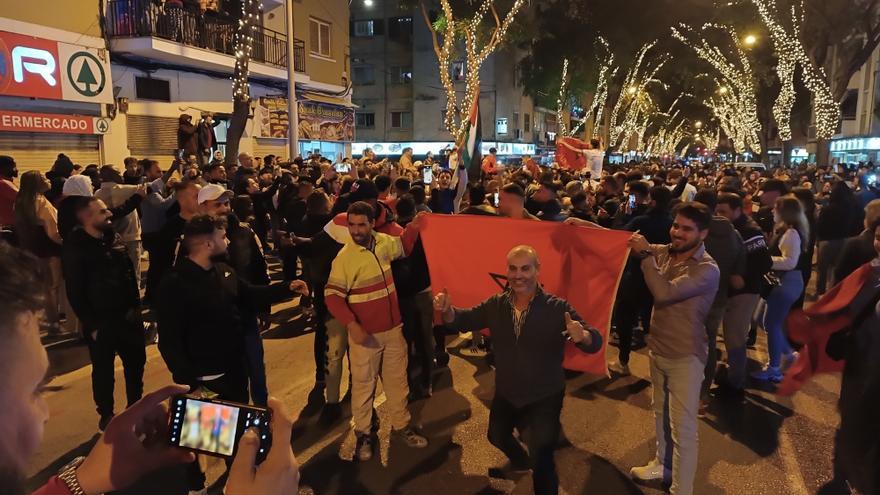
x=471, y=155
x=468, y=256
x=567, y=158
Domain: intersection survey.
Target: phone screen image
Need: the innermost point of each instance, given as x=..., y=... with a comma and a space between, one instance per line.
x=496, y=200
x=632, y=201
x=427, y=175
x=342, y=168
x=215, y=427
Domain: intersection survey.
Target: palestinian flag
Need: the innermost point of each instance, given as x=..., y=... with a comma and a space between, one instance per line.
x=471, y=156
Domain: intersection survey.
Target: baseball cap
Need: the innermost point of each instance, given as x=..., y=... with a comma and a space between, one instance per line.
x=212, y=192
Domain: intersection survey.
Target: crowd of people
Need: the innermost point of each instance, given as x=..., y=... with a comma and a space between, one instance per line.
x=714, y=249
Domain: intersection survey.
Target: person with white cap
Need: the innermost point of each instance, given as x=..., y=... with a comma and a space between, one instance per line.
x=245, y=256
x=78, y=186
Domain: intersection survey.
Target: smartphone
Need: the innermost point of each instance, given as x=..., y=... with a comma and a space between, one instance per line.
x=342, y=168
x=871, y=179
x=427, y=175
x=496, y=200
x=214, y=427
x=632, y=201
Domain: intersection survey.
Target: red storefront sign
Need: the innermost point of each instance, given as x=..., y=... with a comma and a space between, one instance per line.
x=49, y=122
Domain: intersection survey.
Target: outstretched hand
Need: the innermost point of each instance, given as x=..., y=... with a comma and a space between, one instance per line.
x=442, y=301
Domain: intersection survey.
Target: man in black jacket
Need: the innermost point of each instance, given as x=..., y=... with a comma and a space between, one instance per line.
x=529, y=330
x=745, y=290
x=201, y=329
x=858, y=250
x=102, y=289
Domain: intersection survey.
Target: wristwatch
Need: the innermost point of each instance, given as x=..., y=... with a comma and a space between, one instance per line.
x=67, y=475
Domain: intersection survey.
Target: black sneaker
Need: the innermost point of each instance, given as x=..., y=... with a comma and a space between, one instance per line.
x=103, y=422
x=411, y=437
x=363, y=450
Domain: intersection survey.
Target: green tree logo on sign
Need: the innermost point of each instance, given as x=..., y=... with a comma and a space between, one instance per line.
x=86, y=81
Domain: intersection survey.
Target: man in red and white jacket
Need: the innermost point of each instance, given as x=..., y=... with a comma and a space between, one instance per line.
x=361, y=295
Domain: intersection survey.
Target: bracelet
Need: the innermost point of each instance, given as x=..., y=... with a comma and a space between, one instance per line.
x=68, y=477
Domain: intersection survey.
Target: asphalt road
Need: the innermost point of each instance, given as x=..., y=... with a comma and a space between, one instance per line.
x=770, y=445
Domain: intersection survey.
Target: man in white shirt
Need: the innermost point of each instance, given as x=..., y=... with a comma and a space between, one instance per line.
x=689, y=190
x=594, y=157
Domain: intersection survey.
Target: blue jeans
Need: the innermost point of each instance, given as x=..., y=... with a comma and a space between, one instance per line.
x=779, y=303
x=256, y=367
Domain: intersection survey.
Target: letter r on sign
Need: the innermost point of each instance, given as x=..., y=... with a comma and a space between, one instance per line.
x=46, y=68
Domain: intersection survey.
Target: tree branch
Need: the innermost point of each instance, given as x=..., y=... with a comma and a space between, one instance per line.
x=434, y=40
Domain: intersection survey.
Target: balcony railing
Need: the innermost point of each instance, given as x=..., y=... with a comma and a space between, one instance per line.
x=211, y=31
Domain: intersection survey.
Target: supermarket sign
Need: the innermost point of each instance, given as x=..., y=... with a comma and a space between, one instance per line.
x=50, y=122
x=39, y=68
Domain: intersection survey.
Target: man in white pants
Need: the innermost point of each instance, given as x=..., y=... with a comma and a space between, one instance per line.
x=683, y=279
x=361, y=295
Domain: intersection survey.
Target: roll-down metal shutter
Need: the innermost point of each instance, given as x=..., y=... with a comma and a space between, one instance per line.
x=38, y=150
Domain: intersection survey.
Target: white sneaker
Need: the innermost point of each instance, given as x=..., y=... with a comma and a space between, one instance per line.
x=653, y=471
x=619, y=368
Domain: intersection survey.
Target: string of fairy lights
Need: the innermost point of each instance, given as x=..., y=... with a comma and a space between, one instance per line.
x=790, y=50
x=456, y=122
x=607, y=72
x=561, y=127
x=244, y=45
x=634, y=100
x=735, y=101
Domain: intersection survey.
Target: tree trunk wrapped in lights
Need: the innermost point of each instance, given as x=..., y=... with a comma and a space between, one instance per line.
x=456, y=118
x=791, y=52
x=241, y=97
x=561, y=127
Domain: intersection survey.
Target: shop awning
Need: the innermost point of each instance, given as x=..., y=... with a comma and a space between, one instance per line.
x=332, y=100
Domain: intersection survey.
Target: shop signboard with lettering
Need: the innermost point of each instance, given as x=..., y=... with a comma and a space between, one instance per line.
x=40, y=68
x=317, y=121
x=50, y=122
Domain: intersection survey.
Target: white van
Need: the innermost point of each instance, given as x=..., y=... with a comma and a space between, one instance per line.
x=750, y=166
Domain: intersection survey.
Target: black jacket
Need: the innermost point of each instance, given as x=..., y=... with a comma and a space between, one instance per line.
x=528, y=368
x=200, y=324
x=856, y=252
x=244, y=253
x=758, y=261
x=100, y=280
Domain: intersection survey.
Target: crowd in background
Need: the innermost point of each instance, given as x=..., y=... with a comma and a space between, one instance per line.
x=771, y=231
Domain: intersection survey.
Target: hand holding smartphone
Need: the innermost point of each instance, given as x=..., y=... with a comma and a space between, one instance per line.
x=215, y=427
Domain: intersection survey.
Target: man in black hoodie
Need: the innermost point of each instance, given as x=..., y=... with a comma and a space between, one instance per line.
x=102, y=289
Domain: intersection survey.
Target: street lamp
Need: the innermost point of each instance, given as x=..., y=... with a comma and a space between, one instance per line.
x=698, y=124
x=368, y=3
x=723, y=90
x=750, y=40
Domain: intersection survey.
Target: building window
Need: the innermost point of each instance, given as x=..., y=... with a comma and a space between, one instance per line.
x=400, y=29
x=401, y=120
x=363, y=75
x=515, y=122
x=363, y=29
x=458, y=71
x=365, y=119
x=516, y=76
x=850, y=104
x=319, y=33
x=401, y=75
x=147, y=88
x=527, y=122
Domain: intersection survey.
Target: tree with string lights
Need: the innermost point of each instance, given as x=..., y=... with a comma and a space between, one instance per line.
x=477, y=48
x=241, y=98
x=805, y=34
